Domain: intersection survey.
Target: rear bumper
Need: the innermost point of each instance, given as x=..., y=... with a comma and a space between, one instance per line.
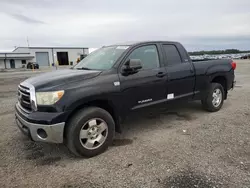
x=40, y=132
x=233, y=84
x=230, y=80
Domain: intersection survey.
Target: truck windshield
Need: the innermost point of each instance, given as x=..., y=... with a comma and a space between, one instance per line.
x=101, y=59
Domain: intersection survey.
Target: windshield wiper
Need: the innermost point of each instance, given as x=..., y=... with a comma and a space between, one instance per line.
x=84, y=68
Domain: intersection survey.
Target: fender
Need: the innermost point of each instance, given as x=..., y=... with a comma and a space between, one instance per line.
x=218, y=69
x=107, y=103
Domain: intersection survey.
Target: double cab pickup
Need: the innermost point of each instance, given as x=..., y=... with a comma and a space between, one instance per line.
x=84, y=105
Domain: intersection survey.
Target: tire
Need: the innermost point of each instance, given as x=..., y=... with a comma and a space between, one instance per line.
x=96, y=126
x=207, y=101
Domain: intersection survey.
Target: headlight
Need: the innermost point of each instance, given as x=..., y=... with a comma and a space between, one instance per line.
x=48, y=98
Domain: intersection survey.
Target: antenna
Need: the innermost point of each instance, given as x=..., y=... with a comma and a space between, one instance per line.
x=28, y=41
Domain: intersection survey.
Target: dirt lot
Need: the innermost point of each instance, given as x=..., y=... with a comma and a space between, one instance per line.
x=174, y=146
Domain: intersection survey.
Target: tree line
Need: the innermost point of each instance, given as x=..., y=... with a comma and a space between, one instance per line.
x=215, y=52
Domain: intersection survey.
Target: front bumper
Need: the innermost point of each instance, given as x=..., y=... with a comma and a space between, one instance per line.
x=41, y=132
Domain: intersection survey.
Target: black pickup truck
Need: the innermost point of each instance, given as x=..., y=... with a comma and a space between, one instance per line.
x=83, y=106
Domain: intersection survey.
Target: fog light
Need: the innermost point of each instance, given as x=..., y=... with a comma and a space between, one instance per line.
x=42, y=133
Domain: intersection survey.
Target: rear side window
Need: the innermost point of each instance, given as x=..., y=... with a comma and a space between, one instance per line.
x=172, y=54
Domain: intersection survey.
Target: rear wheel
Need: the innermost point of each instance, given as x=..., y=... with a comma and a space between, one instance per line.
x=90, y=132
x=214, y=98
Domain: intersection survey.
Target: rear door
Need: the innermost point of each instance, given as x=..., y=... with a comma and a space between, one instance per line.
x=181, y=75
x=148, y=85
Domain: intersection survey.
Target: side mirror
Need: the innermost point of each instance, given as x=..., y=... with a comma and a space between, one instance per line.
x=132, y=66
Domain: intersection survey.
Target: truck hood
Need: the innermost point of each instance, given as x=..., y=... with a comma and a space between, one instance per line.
x=60, y=77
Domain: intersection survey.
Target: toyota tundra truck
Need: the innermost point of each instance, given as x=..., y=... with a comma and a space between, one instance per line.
x=83, y=106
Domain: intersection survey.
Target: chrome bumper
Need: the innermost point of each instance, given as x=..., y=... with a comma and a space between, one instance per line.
x=39, y=132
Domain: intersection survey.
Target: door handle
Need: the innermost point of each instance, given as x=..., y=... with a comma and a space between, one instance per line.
x=161, y=74
x=191, y=69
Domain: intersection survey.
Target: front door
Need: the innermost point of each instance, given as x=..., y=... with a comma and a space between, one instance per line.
x=148, y=85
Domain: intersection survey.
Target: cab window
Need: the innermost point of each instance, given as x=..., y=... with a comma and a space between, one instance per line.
x=148, y=56
x=172, y=55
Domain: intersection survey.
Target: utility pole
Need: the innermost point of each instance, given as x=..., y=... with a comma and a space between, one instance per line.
x=5, y=61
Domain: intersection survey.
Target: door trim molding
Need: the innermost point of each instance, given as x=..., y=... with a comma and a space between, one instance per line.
x=163, y=100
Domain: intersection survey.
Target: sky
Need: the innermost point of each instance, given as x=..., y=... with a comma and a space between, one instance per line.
x=197, y=24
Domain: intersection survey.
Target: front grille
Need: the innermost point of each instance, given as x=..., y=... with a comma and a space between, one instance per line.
x=24, y=98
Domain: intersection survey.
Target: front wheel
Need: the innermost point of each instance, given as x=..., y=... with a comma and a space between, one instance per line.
x=214, y=98
x=90, y=132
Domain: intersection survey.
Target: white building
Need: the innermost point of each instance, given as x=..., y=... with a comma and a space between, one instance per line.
x=44, y=56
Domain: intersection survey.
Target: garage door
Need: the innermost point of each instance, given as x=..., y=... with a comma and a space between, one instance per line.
x=42, y=58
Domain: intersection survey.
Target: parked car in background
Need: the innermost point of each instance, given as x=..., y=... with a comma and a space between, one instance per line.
x=32, y=65
x=245, y=56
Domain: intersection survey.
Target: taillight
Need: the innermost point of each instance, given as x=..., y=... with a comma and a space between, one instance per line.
x=233, y=65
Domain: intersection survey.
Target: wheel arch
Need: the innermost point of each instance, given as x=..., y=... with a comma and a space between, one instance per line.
x=101, y=103
x=221, y=80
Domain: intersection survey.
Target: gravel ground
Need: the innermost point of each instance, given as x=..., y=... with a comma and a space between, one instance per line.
x=164, y=146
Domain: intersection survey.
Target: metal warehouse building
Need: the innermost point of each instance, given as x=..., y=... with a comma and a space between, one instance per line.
x=44, y=56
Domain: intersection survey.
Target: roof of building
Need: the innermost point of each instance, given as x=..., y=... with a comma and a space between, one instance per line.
x=50, y=47
x=15, y=53
x=17, y=57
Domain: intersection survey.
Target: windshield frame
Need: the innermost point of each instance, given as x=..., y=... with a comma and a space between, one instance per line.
x=115, y=62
